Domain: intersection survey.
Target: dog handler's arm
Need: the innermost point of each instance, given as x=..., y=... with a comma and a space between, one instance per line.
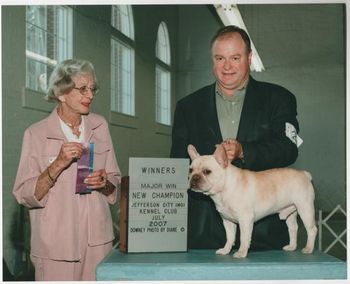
x=274, y=147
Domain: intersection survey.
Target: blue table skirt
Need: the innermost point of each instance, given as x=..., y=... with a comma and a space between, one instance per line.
x=206, y=265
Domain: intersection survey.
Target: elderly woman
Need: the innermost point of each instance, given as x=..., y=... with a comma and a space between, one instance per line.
x=70, y=232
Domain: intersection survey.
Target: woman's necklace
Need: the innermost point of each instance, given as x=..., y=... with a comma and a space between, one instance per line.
x=75, y=128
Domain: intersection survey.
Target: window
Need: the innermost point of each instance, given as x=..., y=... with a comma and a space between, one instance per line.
x=162, y=45
x=122, y=20
x=48, y=41
x=122, y=60
x=162, y=96
x=122, y=99
x=163, y=84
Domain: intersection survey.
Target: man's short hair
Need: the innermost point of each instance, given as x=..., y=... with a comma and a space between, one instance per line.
x=224, y=31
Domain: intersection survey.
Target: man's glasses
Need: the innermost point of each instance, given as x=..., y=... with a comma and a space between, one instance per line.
x=85, y=89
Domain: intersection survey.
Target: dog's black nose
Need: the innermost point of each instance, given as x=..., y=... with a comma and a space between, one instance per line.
x=194, y=181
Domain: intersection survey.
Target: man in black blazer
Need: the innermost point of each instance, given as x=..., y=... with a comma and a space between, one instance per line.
x=259, y=120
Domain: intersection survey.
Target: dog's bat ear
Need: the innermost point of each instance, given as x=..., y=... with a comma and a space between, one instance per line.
x=192, y=152
x=220, y=156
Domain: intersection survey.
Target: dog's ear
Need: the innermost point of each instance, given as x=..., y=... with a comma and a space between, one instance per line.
x=220, y=156
x=192, y=152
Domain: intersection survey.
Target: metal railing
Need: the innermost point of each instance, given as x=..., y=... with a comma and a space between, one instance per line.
x=322, y=223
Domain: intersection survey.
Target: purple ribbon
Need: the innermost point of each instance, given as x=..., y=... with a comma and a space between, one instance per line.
x=85, y=167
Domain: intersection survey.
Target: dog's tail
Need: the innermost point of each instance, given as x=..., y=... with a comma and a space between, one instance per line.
x=308, y=175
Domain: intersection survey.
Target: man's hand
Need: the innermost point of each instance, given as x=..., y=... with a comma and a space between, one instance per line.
x=233, y=149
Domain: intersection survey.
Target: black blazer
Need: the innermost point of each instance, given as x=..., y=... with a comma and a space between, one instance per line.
x=266, y=110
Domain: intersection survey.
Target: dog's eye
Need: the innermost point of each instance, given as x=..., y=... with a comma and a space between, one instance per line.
x=190, y=171
x=206, y=172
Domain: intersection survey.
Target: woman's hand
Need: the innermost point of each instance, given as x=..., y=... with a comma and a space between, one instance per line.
x=96, y=180
x=69, y=152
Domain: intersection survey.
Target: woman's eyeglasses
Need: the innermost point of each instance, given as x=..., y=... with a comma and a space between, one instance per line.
x=85, y=89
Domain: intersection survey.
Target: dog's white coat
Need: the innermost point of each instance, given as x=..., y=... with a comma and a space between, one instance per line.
x=243, y=197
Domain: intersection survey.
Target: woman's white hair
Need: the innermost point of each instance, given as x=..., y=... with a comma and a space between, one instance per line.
x=61, y=82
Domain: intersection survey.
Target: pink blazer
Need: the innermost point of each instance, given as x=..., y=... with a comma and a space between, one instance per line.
x=54, y=219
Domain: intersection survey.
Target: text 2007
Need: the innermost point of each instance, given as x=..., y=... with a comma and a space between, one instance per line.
x=157, y=223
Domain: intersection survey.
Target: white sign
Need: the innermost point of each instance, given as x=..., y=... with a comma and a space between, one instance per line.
x=157, y=209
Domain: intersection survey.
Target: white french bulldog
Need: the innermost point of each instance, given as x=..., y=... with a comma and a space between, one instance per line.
x=243, y=197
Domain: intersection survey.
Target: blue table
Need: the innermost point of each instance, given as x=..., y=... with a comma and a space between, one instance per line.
x=206, y=265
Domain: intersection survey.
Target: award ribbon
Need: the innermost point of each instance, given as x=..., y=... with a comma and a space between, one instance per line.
x=85, y=167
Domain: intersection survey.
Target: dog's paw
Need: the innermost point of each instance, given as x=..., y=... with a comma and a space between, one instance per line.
x=307, y=250
x=290, y=247
x=222, y=251
x=240, y=254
